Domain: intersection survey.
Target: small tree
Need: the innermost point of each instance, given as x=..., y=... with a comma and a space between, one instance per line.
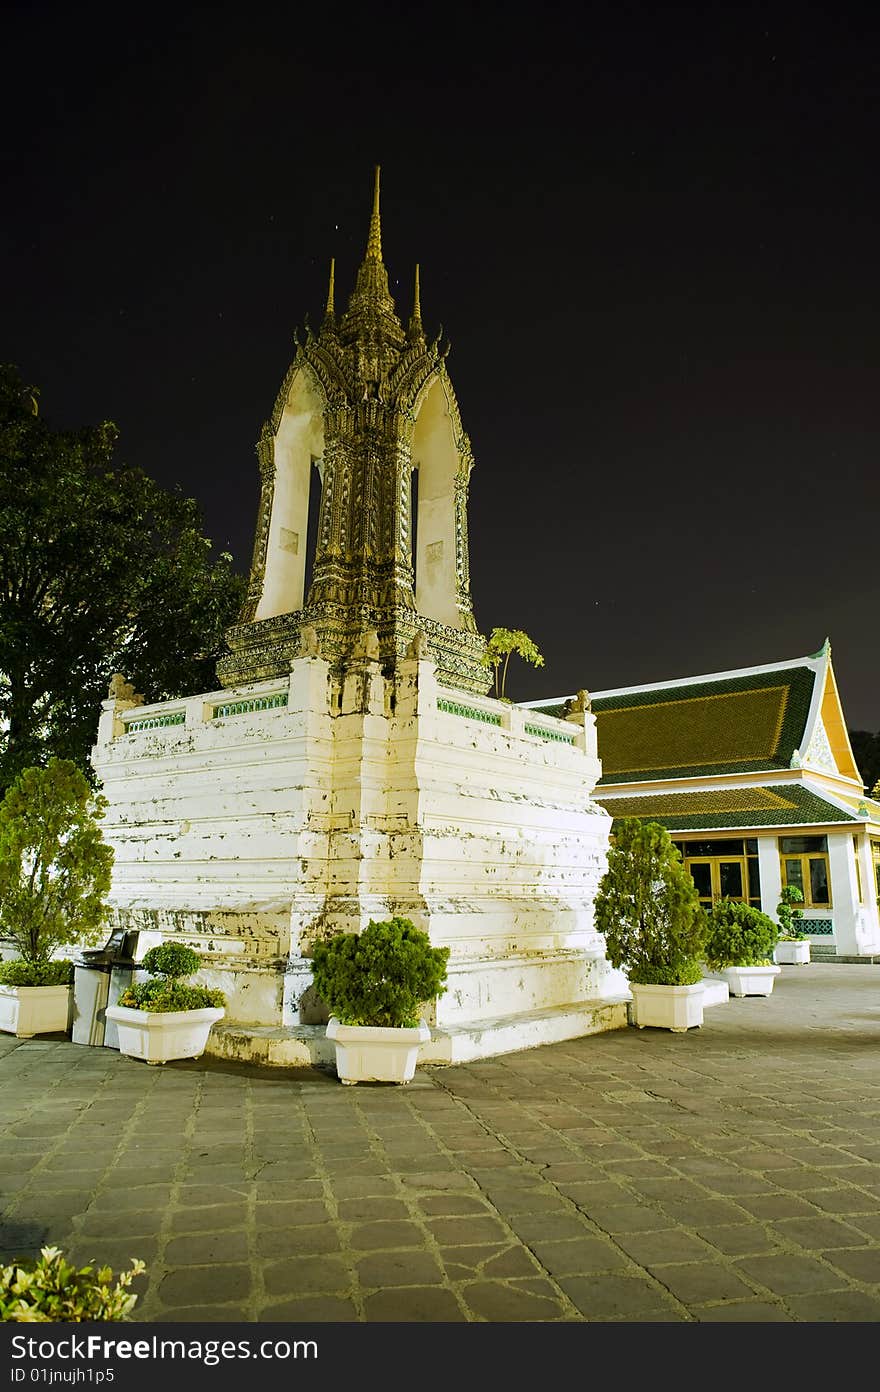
x=648, y=908
x=790, y=917
x=502, y=644
x=54, y=864
x=380, y=976
x=739, y=936
x=167, y=965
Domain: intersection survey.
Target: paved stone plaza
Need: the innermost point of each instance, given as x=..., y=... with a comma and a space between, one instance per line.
x=727, y=1174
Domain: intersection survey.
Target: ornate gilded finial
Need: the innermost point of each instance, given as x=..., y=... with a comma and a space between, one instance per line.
x=415, y=323
x=330, y=311
x=374, y=241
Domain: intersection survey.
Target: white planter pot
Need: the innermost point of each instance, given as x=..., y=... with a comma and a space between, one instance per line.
x=29, y=1010
x=792, y=954
x=676, y=1008
x=368, y=1054
x=158, y=1036
x=749, y=981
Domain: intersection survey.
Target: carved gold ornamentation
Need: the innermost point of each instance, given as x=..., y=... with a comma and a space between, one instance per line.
x=371, y=379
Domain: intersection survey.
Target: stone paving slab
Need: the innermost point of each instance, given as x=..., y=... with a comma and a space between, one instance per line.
x=724, y=1175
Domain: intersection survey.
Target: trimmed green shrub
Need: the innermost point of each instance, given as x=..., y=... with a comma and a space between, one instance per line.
x=17, y=972
x=739, y=936
x=51, y=1291
x=54, y=864
x=648, y=909
x=167, y=964
x=790, y=918
x=380, y=976
x=171, y=960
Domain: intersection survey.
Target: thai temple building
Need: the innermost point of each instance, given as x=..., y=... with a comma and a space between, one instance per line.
x=752, y=773
x=351, y=767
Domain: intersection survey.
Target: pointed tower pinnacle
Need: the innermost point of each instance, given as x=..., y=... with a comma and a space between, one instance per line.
x=374, y=241
x=330, y=310
x=370, y=314
x=415, y=331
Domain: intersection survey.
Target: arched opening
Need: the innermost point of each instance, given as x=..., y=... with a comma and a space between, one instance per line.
x=299, y=440
x=316, y=483
x=436, y=459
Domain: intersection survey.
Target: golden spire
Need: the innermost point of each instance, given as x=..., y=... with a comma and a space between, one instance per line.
x=415, y=322
x=330, y=311
x=374, y=241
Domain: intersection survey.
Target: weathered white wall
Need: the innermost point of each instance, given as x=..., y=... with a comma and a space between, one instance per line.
x=253, y=834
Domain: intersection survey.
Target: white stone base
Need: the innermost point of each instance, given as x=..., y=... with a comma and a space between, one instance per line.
x=252, y=824
x=307, y=1045
x=715, y=991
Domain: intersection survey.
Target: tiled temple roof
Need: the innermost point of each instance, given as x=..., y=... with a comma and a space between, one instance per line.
x=780, y=804
x=732, y=723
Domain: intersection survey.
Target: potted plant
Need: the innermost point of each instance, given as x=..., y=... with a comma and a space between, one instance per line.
x=649, y=912
x=739, y=947
x=374, y=983
x=54, y=875
x=165, y=1018
x=51, y=1291
x=793, y=947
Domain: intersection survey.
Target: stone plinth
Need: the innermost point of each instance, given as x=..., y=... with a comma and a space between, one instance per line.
x=252, y=822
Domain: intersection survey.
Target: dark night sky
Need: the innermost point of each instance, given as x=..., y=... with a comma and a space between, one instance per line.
x=650, y=233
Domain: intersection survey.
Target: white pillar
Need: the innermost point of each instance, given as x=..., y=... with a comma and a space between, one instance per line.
x=869, y=925
x=770, y=870
x=844, y=893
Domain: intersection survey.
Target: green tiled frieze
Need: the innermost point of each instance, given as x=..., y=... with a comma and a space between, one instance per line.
x=542, y=732
x=468, y=712
x=256, y=703
x=155, y=722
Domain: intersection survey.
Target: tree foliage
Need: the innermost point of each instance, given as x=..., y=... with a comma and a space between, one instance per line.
x=502, y=644
x=52, y=1291
x=648, y=909
x=54, y=864
x=866, y=752
x=101, y=571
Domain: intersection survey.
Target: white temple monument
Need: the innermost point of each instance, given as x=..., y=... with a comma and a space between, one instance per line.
x=351, y=767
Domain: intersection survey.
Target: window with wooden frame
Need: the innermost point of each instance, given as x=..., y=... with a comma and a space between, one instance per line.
x=804, y=863
x=723, y=868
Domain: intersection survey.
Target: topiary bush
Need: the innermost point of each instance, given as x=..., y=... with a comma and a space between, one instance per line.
x=17, y=972
x=168, y=964
x=648, y=909
x=51, y=1291
x=380, y=976
x=171, y=960
x=790, y=917
x=739, y=936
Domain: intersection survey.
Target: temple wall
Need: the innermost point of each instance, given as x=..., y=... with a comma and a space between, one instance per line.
x=252, y=832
